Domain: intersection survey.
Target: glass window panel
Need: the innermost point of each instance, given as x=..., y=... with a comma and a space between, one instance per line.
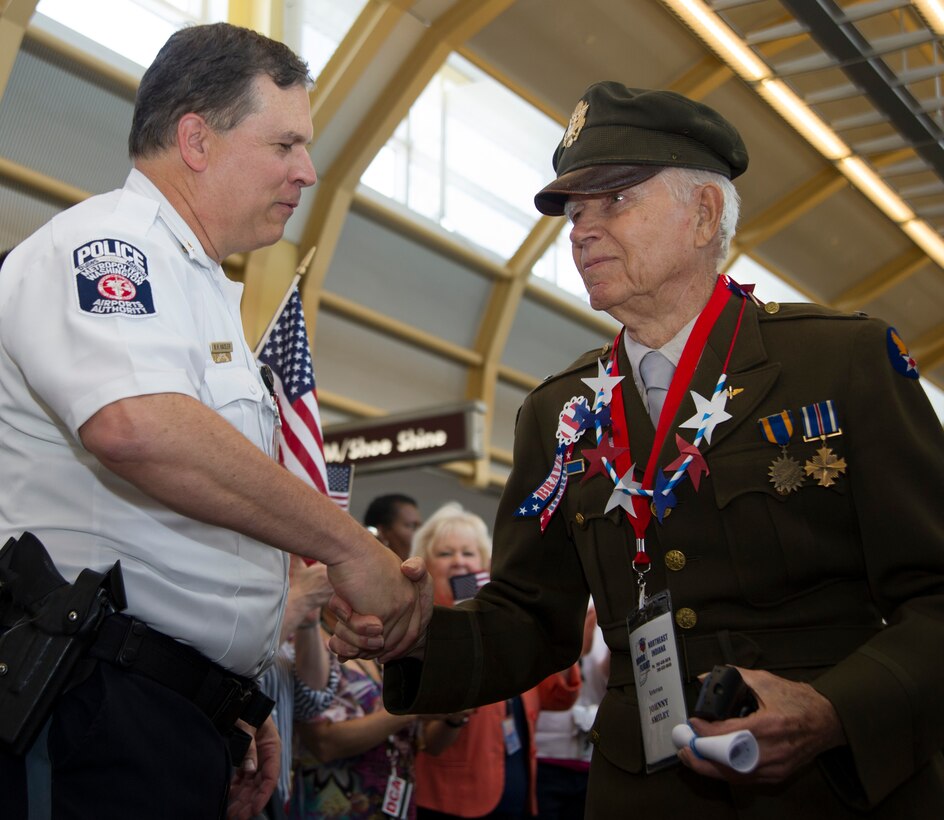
x=557, y=266
x=474, y=155
x=314, y=28
x=108, y=22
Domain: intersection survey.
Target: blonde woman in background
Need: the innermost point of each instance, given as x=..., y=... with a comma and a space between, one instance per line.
x=487, y=764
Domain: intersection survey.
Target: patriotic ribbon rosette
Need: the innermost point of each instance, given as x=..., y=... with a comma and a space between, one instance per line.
x=575, y=419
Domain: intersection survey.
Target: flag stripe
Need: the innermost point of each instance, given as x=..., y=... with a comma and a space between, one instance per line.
x=301, y=444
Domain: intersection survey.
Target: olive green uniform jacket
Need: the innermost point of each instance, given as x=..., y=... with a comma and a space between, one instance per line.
x=840, y=585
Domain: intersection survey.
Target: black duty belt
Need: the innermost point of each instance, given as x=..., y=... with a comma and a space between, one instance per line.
x=222, y=696
x=770, y=649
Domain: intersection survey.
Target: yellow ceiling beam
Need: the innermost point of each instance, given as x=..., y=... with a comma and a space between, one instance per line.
x=928, y=349
x=430, y=237
x=498, y=318
x=54, y=190
x=707, y=75
x=367, y=317
x=801, y=200
x=353, y=56
x=443, y=35
x=885, y=278
x=14, y=18
x=264, y=16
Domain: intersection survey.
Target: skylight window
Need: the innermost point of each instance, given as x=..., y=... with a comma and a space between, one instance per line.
x=470, y=156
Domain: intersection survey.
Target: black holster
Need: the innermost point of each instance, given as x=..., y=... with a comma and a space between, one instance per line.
x=46, y=626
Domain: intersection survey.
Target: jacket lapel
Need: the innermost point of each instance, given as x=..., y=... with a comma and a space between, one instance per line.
x=749, y=373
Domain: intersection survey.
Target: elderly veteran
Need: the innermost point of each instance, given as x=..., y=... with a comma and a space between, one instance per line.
x=773, y=504
x=135, y=426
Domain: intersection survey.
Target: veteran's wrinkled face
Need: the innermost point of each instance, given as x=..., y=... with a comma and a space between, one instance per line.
x=634, y=244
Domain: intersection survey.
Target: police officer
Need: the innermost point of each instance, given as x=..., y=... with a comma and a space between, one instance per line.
x=771, y=502
x=134, y=426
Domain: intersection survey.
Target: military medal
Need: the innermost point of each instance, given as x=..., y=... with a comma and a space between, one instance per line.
x=821, y=422
x=785, y=472
x=825, y=466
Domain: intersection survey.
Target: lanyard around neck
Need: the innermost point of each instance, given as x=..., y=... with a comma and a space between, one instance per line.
x=681, y=379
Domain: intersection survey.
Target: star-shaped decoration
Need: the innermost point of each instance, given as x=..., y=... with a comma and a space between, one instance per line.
x=662, y=500
x=709, y=414
x=602, y=386
x=583, y=415
x=825, y=466
x=595, y=456
x=621, y=496
x=696, y=467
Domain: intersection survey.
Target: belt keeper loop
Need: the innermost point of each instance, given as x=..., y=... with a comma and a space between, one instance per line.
x=257, y=709
x=131, y=643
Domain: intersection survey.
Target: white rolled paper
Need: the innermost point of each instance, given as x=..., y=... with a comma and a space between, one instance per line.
x=735, y=749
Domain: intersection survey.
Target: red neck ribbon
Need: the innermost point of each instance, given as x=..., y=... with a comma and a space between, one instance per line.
x=680, y=382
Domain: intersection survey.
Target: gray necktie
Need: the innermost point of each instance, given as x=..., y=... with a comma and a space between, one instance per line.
x=656, y=372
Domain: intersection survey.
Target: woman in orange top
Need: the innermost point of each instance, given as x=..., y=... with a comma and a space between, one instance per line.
x=481, y=763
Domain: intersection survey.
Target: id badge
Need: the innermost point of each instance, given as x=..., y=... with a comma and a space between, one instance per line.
x=658, y=679
x=396, y=802
x=512, y=741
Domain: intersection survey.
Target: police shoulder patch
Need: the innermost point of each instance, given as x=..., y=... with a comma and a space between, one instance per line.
x=111, y=277
x=901, y=359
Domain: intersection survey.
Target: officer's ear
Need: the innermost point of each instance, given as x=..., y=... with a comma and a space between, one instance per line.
x=709, y=205
x=193, y=141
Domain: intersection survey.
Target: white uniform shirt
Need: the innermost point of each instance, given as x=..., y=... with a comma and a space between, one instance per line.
x=111, y=299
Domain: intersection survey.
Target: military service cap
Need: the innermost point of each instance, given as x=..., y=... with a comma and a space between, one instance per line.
x=618, y=137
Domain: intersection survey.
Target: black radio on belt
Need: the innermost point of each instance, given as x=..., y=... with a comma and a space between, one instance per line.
x=724, y=695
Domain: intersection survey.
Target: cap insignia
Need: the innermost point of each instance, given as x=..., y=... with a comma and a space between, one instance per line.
x=577, y=121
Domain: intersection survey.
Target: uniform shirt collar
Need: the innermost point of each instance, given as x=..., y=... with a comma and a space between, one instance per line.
x=190, y=245
x=672, y=350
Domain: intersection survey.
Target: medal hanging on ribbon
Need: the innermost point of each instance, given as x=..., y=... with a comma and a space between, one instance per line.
x=820, y=421
x=785, y=472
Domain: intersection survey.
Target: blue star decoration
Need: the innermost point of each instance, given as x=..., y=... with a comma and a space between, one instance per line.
x=661, y=500
x=583, y=416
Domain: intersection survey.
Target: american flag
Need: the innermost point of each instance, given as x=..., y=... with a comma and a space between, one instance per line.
x=465, y=586
x=340, y=479
x=300, y=441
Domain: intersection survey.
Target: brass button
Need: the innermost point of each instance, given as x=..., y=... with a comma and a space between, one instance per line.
x=772, y=307
x=655, y=512
x=594, y=737
x=579, y=519
x=686, y=618
x=675, y=560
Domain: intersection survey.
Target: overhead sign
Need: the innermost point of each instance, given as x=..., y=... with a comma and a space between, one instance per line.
x=408, y=440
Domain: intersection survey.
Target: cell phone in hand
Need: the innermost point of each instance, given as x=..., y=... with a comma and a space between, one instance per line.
x=724, y=695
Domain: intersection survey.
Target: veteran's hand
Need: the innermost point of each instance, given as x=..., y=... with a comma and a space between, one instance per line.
x=400, y=599
x=793, y=724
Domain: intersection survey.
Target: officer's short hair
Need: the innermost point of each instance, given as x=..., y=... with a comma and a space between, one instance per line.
x=208, y=70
